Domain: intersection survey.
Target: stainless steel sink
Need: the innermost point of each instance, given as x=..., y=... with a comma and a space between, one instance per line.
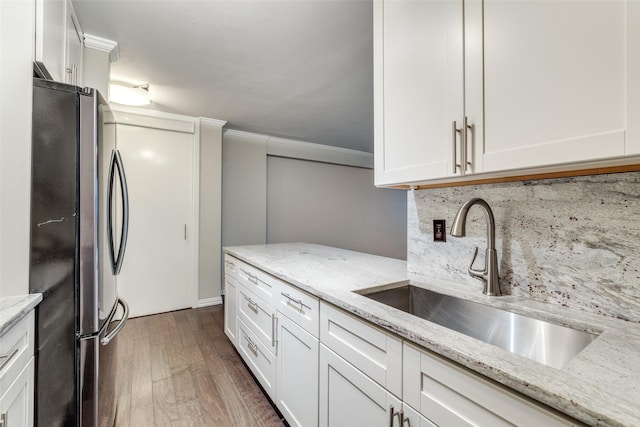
x=544, y=342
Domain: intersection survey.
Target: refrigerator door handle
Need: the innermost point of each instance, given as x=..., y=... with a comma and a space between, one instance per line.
x=116, y=163
x=125, y=316
x=105, y=325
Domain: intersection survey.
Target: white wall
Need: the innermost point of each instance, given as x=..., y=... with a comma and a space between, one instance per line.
x=270, y=199
x=16, y=88
x=244, y=188
x=334, y=205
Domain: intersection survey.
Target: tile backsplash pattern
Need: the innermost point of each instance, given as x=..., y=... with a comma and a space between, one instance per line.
x=571, y=241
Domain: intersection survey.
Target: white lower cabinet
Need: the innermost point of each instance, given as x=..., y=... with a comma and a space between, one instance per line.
x=449, y=395
x=279, y=346
x=350, y=398
x=373, y=351
x=323, y=366
x=17, y=374
x=231, y=308
x=16, y=404
x=297, y=374
x=260, y=360
x=231, y=267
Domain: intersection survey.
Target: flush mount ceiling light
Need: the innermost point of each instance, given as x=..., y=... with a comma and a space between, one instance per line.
x=121, y=93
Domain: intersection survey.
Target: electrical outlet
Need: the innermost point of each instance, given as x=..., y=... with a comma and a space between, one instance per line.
x=439, y=230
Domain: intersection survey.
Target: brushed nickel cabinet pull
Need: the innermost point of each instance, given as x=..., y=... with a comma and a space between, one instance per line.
x=252, y=346
x=252, y=304
x=274, y=331
x=468, y=153
x=454, y=147
x=4, y=420
x=295, y=301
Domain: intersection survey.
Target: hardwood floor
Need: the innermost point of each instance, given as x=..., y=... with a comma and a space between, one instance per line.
x=179, y=369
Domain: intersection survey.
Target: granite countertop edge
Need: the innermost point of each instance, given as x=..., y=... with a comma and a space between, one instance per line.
x=311, y=267
x=14, y=308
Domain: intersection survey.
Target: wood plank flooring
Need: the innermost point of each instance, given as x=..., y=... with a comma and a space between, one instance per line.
x=179, y=369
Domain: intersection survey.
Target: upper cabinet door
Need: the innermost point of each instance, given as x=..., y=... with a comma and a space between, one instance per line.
x=59, y=40
x=538, y=84
x=73, y=48
x=418, y=83
x=50, y=37
x=554, y=82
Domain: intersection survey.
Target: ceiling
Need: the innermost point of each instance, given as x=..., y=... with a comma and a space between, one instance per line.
x=299, y=69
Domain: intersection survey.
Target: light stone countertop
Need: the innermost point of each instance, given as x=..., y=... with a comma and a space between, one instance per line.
x=14, y=309
x=599, y=386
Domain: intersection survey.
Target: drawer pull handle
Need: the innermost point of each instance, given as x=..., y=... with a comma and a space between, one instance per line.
x=230, y=264
x=252, y=304
x=252, y=346
x=295, y=301
x=5, y=359
x=251, y=277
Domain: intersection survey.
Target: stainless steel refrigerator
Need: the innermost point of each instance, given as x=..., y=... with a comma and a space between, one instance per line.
x=79, y=211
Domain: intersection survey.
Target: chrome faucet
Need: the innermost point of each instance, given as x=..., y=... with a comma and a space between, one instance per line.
x=489, y=275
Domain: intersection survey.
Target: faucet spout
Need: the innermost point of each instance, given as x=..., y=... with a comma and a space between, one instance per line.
x=489, y=275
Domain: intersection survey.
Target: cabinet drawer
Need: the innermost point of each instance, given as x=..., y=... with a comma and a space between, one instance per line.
x=257, y=315
x=16, y=348
x=450, y=395
x=299, y=306
x=260, y=360
x=231, y=266
x=373, y=351
x=258, y=281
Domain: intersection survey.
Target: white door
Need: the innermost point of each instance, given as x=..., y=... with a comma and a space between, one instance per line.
x=157, y=274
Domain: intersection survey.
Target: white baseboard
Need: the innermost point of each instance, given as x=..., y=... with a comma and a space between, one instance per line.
x=208, y=301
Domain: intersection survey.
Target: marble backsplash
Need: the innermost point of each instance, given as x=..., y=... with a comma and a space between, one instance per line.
x=574, y=242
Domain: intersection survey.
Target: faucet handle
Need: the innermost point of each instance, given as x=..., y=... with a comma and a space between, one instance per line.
x=478, y=274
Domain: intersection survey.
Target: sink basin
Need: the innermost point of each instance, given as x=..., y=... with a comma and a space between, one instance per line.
x=544, y=342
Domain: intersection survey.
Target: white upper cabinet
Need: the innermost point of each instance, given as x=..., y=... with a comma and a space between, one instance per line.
x=59, y=40
x=537, y=83
x=418, y=76
x=554, y=82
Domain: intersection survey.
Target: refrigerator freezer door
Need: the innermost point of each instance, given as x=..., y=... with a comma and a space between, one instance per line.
x=88, y=213
x=54, y=228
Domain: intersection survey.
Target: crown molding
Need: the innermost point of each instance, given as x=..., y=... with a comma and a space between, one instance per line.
x=301, y=150
x=102, y=45
x=213, y=122
x=294, y=149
